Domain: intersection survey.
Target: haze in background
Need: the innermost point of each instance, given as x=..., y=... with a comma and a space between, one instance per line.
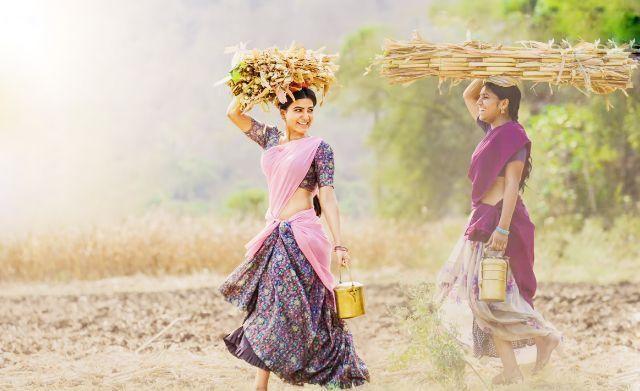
x=108, y=108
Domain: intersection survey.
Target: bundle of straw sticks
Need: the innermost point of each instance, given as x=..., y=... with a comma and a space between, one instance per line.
x=590, y=67
x=269, y=75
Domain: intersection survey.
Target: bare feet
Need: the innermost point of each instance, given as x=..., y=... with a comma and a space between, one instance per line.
x=545, y=347
x=513, y=377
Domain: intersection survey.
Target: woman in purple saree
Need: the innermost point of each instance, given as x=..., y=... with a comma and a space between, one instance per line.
x=285, y=283
x=500, y=165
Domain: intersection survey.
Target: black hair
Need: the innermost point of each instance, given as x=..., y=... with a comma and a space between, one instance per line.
x=316, y=206
x=304, y=93
x=514, y=95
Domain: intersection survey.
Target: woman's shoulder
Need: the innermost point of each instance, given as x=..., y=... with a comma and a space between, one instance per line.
x=264, y=135
x=510, y=127
x=518, y=127
x=323, y=144
x=261, y=127
x=324, y=153
x=273, y=135
x=516, y=124
x=324, y=147
x=514, y=132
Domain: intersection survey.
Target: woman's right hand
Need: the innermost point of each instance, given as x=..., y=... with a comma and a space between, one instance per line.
x=343, y=258
x=497, y=242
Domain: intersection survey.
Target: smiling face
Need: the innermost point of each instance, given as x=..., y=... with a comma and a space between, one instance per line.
x=298, y=117
x=490, y=106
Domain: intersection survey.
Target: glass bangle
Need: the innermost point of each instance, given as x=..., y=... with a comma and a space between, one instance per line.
x=502, y=231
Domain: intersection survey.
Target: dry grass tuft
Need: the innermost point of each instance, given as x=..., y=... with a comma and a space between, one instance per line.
x=158, y=243
x=168, y=244
x=165, y=244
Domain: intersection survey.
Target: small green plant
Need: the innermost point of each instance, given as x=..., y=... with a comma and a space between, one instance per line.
x=432, y=343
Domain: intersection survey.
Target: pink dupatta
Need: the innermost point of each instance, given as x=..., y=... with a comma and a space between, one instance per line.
x=285, y=166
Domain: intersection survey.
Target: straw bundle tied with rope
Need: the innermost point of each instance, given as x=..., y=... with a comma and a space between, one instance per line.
x=269, y=75
x=589, y=67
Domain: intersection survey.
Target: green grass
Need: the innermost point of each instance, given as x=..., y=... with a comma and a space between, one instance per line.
x=431, y=344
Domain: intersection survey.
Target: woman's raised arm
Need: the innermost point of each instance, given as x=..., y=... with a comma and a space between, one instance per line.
x=240, y=119
x=471, y=95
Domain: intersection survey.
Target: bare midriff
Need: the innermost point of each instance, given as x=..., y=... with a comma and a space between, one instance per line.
x=495, y=192
x=301, y=200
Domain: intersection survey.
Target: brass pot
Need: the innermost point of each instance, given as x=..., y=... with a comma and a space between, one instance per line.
x=493, y=277
x=349, y=297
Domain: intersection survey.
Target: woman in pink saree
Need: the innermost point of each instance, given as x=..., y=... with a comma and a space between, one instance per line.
x=499, y=168
x=285, y=283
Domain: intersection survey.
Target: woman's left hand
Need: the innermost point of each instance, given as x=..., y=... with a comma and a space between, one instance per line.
x=497, y=241
x=343, y=257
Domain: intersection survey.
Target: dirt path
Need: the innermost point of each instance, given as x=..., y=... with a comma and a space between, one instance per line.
x=100, y=335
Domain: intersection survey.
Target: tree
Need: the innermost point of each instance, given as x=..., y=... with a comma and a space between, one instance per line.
x=248, y=203
x=586, y=157
x=421, y=138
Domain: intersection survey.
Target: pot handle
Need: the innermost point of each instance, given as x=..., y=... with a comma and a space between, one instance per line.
x=340, y=274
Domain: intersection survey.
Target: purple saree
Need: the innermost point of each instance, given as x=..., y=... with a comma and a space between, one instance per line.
x=475, y=321
x=487, y=161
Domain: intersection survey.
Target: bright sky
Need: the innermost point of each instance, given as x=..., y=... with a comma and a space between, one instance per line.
x=102, y=103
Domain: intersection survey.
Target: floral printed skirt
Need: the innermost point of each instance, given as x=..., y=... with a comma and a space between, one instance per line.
x=291, y=328
x=476, y=322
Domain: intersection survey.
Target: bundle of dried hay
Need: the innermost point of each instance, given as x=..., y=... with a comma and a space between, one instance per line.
x=269, y=75
x=590, y=67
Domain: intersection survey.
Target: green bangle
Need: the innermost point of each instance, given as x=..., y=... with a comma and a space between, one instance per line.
x=502, y=231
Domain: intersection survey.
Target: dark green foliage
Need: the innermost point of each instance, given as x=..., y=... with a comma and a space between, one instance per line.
x=586, y=159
